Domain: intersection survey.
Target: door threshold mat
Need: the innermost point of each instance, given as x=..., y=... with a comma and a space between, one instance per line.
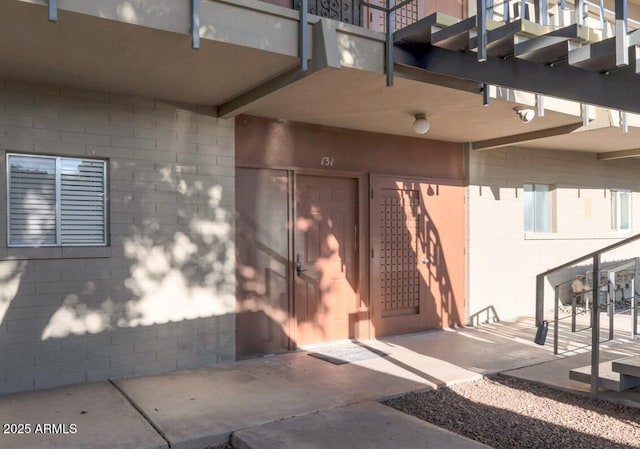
x=340, y=356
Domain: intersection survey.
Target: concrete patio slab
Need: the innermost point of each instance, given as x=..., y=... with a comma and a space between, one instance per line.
x=360, y=426
x=202, y=407
x=94, y=416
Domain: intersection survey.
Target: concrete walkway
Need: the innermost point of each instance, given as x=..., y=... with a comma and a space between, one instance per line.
x=202, y=408
x=361, y=426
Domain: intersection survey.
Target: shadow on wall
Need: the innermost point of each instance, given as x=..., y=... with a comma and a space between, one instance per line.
x=404, y=285
x=263, y=265
x=269, y=320
x=160, y=298
x=438, y=278
x=484, y=316
x=173, y=276
x=135, y=11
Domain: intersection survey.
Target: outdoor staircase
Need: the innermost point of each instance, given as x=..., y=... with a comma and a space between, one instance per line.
x=579, y=45
x=566, y=61
x=618, y=375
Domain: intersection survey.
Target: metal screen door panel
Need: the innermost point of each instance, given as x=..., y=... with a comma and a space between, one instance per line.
x=399, y=294
x=417, y=270
x=399, y=239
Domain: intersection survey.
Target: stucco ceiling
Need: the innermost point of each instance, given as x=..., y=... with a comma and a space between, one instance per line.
x=361, y=100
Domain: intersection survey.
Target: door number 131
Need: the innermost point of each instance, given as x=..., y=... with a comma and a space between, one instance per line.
x=327, y=161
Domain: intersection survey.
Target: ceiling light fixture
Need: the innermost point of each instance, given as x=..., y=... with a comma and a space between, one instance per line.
x=421, y=125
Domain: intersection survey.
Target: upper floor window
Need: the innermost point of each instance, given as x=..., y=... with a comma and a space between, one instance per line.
x=537, y=207
x=56, y=201
x=620, y=210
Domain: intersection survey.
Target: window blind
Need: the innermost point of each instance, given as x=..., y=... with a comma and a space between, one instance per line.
x=82, y=207
x=56, y=201
x=32, y=200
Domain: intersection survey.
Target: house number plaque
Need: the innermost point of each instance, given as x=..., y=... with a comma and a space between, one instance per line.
x=327, y=161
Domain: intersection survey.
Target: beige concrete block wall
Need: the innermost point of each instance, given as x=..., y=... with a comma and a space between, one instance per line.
x=503, y=260
x=161, y=296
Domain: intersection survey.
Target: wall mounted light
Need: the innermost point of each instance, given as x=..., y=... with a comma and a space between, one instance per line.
x=421, y=125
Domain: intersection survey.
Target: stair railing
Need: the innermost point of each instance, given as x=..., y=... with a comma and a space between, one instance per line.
x=595, y=257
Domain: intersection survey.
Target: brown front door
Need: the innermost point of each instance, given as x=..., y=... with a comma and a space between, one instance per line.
x=325, y=258
x=417, y=265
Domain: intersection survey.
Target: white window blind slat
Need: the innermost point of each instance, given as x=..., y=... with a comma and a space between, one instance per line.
x=46, y=208
x=32, y=202
x=82, y=193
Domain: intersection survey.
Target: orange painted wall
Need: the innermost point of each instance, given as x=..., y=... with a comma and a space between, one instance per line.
x=267, y=143
x=270, y=143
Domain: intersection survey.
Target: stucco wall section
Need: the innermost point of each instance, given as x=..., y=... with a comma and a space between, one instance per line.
x=161, y=296
x=503, y=259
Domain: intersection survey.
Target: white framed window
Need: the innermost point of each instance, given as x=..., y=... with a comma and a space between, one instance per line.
x=56, y=201
x=620, y=210
x=537, y=207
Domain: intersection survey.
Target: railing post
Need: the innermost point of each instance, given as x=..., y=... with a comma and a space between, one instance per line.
x=595, y=327
x=195, y=24
x=540, y=104
x=481, y=25
x=53, y=10
x=624, y=123
x=539, y=299
x=622, y=39
x=556, y=319
x=584, y=112
x=574, y=306
x=601, y=16
x=634, y=314
x=611, y=293
x=578, y=12
x=303, y=36
x=633, y=306
x=389, y=48
x=542, y=12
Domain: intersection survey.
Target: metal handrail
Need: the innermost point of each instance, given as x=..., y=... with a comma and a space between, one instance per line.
x=595, y=315
x=604, y=15
x=611, y=13
x=591, y=254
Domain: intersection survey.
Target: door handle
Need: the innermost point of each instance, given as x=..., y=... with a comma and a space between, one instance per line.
x=299, y=269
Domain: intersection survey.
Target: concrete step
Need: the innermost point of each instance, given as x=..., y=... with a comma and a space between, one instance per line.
x=629, y=366
x=609, y=379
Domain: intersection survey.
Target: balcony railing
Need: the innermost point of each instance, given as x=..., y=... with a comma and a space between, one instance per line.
x=559, y=14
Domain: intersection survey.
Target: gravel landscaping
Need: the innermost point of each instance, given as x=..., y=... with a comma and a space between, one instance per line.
x=507, y=413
